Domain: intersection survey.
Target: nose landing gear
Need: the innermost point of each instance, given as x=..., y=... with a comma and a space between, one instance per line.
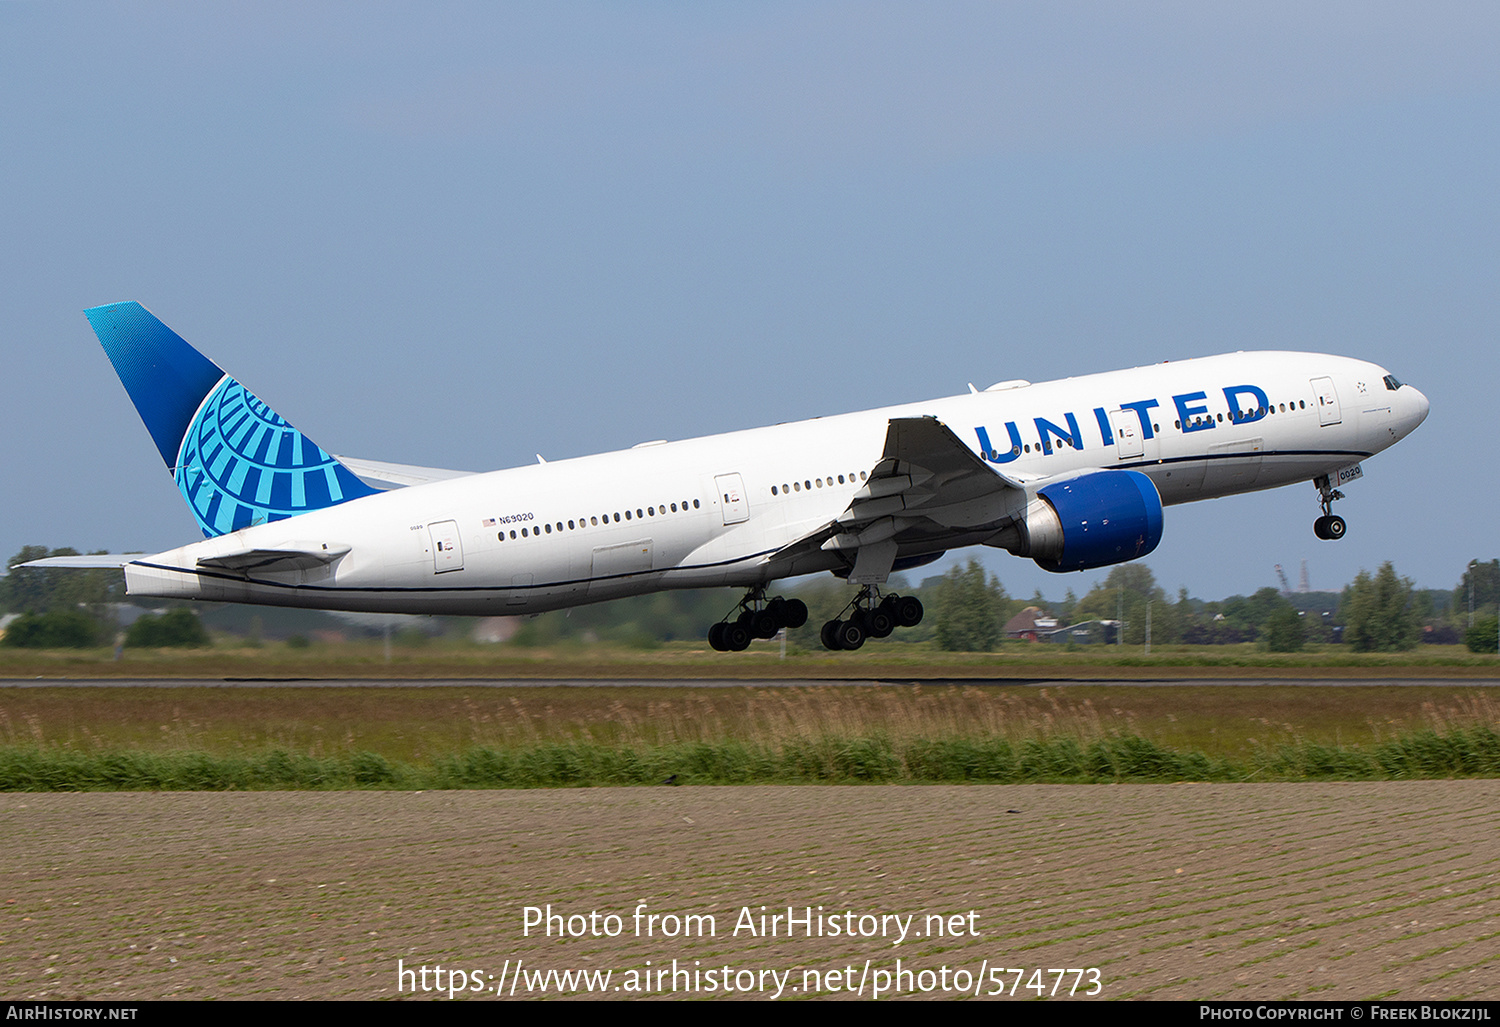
x=1330, y=526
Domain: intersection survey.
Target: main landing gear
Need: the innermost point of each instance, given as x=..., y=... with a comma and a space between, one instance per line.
x=871, y=619
x=1330, y=526
x=758, y=618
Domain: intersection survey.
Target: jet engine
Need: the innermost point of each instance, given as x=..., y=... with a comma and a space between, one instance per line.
x=1093, y=520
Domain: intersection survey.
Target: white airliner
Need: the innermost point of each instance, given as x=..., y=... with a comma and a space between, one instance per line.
x=1072, y=473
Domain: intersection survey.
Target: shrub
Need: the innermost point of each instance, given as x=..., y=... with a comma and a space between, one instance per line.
x=1481, y=638
x=58, y=629
x=179, y=628
x=1283, y=631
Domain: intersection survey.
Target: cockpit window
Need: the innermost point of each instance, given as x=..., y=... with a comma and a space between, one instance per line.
x=1391, y=382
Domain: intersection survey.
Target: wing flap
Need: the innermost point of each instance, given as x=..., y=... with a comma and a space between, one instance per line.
x=927, y=482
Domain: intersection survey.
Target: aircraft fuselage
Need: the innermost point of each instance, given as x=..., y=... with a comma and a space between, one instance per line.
x=717, y=510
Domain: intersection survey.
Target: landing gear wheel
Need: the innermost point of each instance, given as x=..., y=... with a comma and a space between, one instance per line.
x=880, y=622
x=908, y=611
x=736, y=637
x=758, y=617
x=851, y=634
x=1330, y=528
x=830, y=635
x=794, y=613
x=765, y=623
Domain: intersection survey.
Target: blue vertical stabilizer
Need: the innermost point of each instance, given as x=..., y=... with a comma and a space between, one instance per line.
x=236, y=461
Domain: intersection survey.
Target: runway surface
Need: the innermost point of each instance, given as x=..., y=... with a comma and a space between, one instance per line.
x=720, y=682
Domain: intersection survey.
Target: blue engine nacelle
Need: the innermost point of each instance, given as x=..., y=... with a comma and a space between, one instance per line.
x=1090, y=521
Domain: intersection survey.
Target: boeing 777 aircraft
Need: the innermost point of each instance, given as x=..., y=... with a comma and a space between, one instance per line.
x=1072, y=474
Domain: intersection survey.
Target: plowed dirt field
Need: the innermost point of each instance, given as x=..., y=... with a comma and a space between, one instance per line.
x=1190, y=891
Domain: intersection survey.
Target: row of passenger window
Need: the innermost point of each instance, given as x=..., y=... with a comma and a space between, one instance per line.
x=595, y=521
x=1237, y=415
x=1244, y=415
x=809, y=485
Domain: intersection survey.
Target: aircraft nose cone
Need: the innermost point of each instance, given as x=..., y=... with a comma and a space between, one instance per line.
x=1419, y=407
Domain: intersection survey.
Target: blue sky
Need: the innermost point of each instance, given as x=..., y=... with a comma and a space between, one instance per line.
x=463, y=234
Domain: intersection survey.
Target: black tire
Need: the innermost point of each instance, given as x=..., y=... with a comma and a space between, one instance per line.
x=851, y=635
x=736, y=637
x=880, y=622
x=794, y=613
x=1320, y=527
x=1336, y=528
x=830, y=635
x=765, y=624
x=716, y=637
x=908, y=611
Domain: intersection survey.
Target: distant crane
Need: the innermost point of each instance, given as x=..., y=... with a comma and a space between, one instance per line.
x=1286, y=586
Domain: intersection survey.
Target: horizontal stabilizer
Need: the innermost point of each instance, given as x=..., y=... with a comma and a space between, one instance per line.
x=84, y=563
x=385, y=476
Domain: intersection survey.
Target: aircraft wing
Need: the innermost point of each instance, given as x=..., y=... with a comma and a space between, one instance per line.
x=385, y=476
x=927, y=483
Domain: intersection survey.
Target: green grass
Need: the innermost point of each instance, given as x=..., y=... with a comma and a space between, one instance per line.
x=799, y=761
x=447, y=658
x=1228, y=721
x=471, y=736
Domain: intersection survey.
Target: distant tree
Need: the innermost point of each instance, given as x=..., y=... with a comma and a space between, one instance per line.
x=33, y=589
x=1484, y=578
x=1283, y=631
x=1195, y=620
x=1249, y=615
x=1128, y=589
x=55, y=629
x=1064, y=611
x=1378, y=612
x=25, y=588
x=970, y=610
x=1482, y=637
x=175, y=628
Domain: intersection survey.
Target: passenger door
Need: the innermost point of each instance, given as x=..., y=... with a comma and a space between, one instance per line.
x=731, y=489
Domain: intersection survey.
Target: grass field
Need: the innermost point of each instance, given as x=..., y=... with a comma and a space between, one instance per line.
x=462, y=659
x=464, y=736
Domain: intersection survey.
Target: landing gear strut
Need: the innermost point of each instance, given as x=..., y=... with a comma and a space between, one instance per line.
x=758, y=618
x=871, y=617
x=1330, y=526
